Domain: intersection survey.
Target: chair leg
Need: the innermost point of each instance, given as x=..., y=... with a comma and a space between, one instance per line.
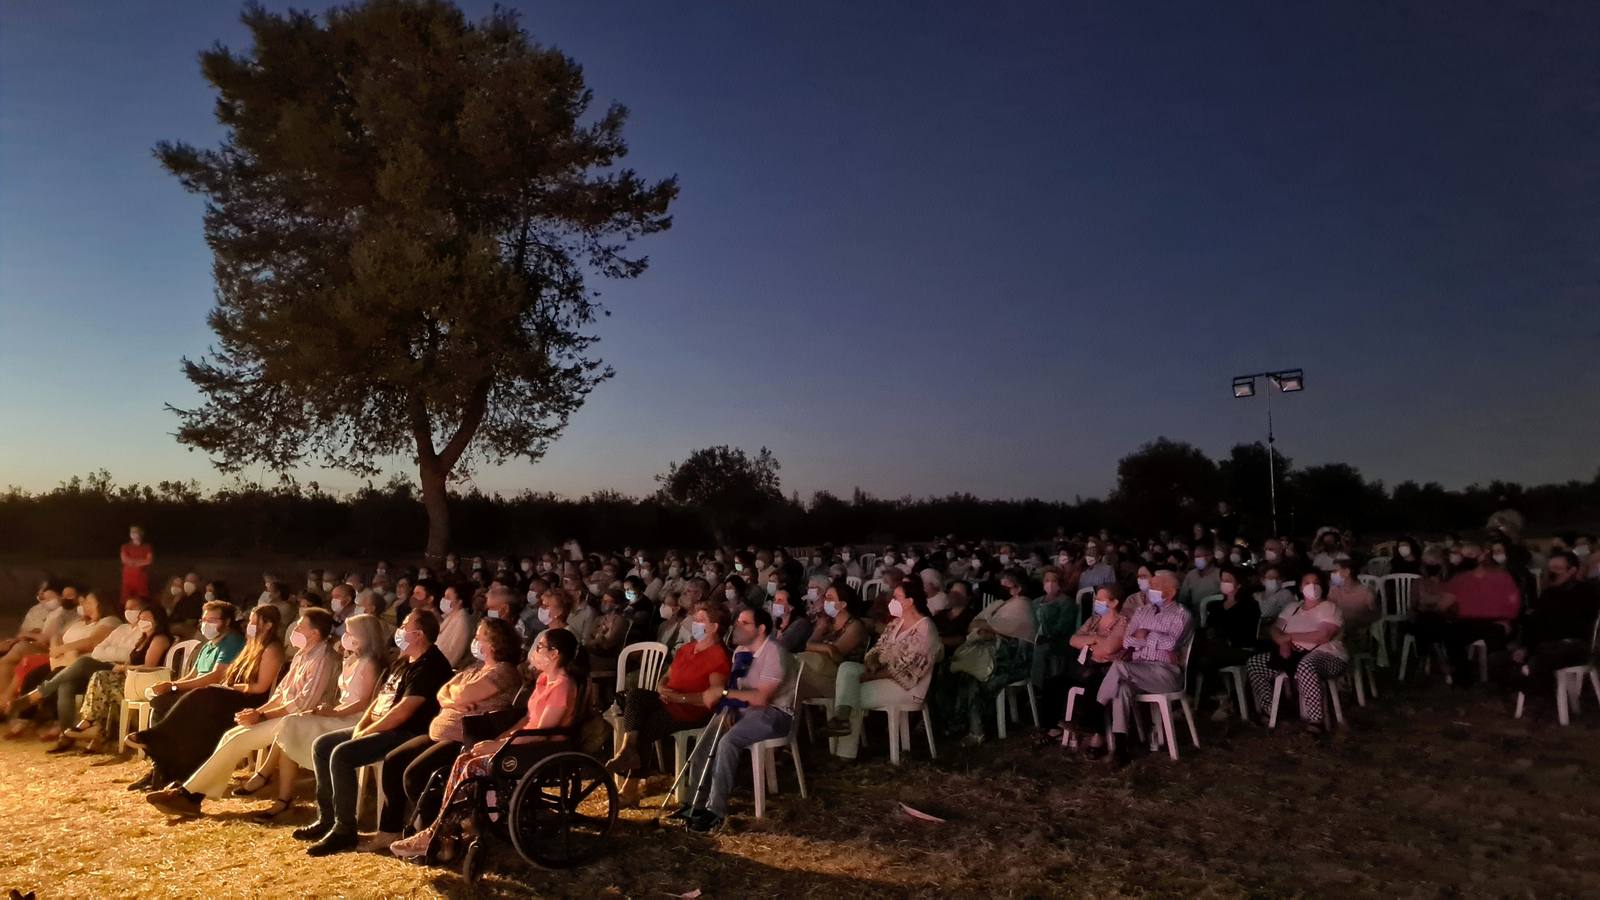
x=894, y=735
x=1033, y=705
x=1011, y=704
x=1000, y=713
x=1277, y=692
x=1188, y=715
x=1072, y=699
x=933, y=752
x=1166, y=729
x=1338, y=706
x=758, y=779
x=799, y=770
x=1407, y=646
x=1372, y=684
x=1561, y=700
x=1361, y=693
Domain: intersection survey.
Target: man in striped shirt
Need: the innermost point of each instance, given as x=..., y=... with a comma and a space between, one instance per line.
x=1155, y=635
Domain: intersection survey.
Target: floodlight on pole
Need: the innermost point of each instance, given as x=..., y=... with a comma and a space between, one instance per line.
x=1288, y=381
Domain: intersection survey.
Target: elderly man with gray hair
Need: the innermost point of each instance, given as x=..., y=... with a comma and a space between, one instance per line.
x=1154, y=635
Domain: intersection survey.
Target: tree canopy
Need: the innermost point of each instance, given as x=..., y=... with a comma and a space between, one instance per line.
x=404, y=215
x=726, y=484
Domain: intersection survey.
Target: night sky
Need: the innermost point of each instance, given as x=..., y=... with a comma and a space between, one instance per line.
x=988, y=250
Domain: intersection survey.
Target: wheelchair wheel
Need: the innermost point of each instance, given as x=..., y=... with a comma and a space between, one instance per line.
x=563, y=810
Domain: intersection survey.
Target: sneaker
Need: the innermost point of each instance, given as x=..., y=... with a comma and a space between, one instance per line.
x=175, y=801
x=704, y=821
x=335, y=842
x=313, y=832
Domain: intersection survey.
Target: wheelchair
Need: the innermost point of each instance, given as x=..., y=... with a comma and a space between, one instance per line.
x=555, y=804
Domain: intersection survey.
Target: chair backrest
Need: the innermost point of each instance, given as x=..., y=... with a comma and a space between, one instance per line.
x=180, y=655
x=1183, y=651
x=869, y=561
x=871, y=589
x=1205, y=606
x=1372, y=582
x=652, y=659
x=1394, y=595
x=1378, y=566
x=990, y=601
x=854, y=582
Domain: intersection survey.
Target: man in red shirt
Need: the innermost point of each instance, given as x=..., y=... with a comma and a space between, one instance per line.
x=1487, y=603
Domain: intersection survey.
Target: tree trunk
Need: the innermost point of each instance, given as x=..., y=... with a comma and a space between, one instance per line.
x=436, y=502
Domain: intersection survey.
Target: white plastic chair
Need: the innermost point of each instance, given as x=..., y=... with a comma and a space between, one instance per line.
x=900, y=727
x=1162, y=701
x=1007, y=699
x=764, y=758
x=1394, y=602
x=1204, y=606
x=137, y=708
x=1569, y=683
x=1328, y=685
x=870, y=590
x=1085, y=595
x=1236, y=673
x=854, y=582
x=652, y=661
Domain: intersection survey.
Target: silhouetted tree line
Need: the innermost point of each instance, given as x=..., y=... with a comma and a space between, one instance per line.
x=1163, y=485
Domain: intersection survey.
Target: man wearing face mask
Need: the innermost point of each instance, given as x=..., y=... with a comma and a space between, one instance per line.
x=1487, y=604
x=1202, y=581
x=405, y=702
x=1097, y=573
x=1154, y=634
x=759, y=706
x=1557, y=630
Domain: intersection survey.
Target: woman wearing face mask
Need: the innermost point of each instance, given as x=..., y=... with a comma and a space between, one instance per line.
x=551, y=613
x=364, y=647
x=607, y=636
x=309, y=683
x=1138, y=596
x=839, y=636
x=456, y=626
x=1098, y=643
x=137, y=556
x=102, y=700
x=71, y=663
x=898, y=669
x=1274, y=595
x=675, y=618
x=553, y=704
x=490, y=683
x=182, y=741
x=791, y=627
x=1230, y=637
x=117, y=649
x=678, y=702
x=1307, y=648
x=734, y=593
x=1407, y=559
x=1005, y=634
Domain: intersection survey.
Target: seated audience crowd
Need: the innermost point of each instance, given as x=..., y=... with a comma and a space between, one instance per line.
x=405, y=667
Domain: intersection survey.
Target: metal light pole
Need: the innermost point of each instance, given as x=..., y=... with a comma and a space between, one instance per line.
x=1288, y=381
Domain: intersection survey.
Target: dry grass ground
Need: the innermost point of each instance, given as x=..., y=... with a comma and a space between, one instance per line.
x=1430, y=793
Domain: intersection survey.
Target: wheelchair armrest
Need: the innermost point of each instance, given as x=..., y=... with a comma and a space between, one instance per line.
x=488, y=726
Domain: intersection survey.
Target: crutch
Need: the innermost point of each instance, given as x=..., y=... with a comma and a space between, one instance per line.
x=715, y=721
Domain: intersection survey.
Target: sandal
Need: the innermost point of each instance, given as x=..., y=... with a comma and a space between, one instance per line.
x=252, y=785
x=278, y=808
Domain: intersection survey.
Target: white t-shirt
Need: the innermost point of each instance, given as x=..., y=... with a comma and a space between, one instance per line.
x=1296, y=619
x=118, y=647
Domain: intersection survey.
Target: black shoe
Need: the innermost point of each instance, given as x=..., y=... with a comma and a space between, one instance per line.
x=335, y=842
x=316, y=831
x=684, y=813
x=147, y=783
x=703, y=821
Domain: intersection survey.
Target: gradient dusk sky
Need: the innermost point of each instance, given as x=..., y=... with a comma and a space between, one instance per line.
x=927, y=247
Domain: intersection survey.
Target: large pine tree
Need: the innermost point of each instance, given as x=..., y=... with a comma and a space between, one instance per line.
x=403, y=214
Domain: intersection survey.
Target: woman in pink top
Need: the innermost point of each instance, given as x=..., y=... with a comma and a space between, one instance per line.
x=1099, y=644
x=553, y=704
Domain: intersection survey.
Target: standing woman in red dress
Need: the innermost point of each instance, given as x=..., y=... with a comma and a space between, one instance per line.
x=136, y=559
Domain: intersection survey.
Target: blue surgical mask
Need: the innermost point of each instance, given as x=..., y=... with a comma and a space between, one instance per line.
x=1200, y=562
x=1101, y=607
x=400, y=640
x=697, y=630
x=631, y=595
x=477, y=651
x=1336, y=580
x=1155, y=597
x=544, y=616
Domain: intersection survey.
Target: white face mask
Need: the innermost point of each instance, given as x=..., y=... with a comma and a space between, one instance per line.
x=544, y=616
x=447, y=606
x=176, y=590
x=349, y=643
x=146, y=627
x=896, y=608
x=772, y=589
x=1581, y=551
x=131, y=616
x=779, y=610
x=731, y=594
x=52, y=603
x=1144, y=585
x=1090, y=560
x=1499, y=559
x=1405, y=551
x=297, y=639
x=478, y=652
x=666, y=610
x=189, y=587
x=250, y=631
x=401, y=640
x=811, y=595
x=210, y=630
x=1311, y=592
x=210, y=596
x=830, y=607
x=1271, y=555
x=1005, y=559
x=1270, y=584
